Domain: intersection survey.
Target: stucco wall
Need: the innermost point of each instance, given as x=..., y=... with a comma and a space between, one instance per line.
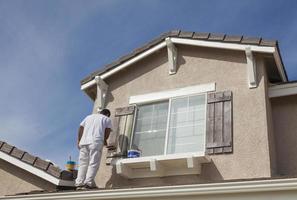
x=284, y=110
x=14, y=180
x=250, y=158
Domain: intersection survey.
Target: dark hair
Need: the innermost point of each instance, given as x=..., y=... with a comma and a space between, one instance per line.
x=105, y=112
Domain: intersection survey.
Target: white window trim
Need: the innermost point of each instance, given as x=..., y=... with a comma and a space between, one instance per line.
x=164, y=95
x=152, y=166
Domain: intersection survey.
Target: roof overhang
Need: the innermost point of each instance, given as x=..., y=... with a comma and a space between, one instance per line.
x=35, y=171
x=258, y=189
x=273, y=50
x=283, y=90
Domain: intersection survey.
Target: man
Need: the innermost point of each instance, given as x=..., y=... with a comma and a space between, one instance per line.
x=93, y=133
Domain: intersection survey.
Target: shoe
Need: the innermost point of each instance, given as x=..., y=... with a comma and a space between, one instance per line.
x=81, y=187
x=90, y=187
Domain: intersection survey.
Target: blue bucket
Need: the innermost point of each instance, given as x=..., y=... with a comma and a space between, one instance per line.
x=133, y=153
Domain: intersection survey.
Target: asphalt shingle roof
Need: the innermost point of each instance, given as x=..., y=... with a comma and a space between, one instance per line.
x=239, y=39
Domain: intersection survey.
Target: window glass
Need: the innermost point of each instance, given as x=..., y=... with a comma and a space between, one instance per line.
x=150, y=129
x=187, y=125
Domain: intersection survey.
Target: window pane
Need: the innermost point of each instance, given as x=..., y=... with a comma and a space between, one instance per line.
x=187, y=125
x=150, y=129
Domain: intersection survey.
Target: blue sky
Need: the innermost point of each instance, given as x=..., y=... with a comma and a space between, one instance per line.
x=47, y=47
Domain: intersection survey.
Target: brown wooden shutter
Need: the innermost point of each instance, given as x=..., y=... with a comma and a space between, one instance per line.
x=219, y=123
x=123, y=126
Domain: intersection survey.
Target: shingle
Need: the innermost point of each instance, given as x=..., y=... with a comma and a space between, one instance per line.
x=17, y=153
x=265, y=42
x=1, y=143
x=174, y=33
x=181, y=34
x=139, y=50
x=6, y=148
x=201, y=36
x=41, y=164
x=28, y=158
x=53, y=170
x=165, y=35
x=233, y=38
x=126, y=57
x=154, y=42
x=216, y=37
x=186, y=34
x=250, y=40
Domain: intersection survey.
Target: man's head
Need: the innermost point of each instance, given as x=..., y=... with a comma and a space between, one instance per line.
x=105, y=112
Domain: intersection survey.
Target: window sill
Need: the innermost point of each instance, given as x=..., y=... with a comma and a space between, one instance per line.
x=160, y=166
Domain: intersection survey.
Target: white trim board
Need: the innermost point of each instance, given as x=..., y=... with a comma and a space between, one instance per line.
x=35, y=171
x=268, y=189
x=201, y=43
x=164, y=95
x=282, y=90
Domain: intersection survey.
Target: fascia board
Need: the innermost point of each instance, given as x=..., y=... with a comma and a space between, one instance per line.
x=174, y=192
x=35, y=171
x=201, y=43
x=282, y=90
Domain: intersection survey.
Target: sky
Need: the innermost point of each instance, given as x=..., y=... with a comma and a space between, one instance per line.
x=47, y=47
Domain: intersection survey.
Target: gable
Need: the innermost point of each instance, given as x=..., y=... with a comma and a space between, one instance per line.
x=276, y=71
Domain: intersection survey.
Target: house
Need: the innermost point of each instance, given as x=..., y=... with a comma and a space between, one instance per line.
x=212, y=115
x=22, y=172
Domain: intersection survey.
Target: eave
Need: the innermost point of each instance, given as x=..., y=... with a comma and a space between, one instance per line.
x=238, y=44
x=257, y=189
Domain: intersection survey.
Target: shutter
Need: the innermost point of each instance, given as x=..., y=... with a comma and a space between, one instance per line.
x=219, y=123
x=123, y=126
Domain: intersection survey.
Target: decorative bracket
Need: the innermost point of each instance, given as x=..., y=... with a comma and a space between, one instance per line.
x=172, y=56
x=102, y=87
x=251, y=68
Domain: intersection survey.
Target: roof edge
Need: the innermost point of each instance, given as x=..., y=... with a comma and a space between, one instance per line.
x=247, y=187
x=35, y=171
x=187, y=35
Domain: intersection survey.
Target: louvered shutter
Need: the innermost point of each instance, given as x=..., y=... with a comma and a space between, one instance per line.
x=219, y=123
x=123, y=126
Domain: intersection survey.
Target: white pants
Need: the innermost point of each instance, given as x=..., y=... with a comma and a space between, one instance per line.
x=89, y=161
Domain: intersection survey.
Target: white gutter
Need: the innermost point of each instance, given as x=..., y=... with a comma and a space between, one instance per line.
x=244, y=188
x=37, y=172
x=200, y=43
x=282, y=90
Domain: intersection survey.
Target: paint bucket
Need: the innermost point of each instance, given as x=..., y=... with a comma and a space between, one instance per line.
x=133, y=153
x=70, y=165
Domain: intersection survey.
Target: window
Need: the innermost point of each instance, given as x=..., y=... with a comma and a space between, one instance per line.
x=170, y=127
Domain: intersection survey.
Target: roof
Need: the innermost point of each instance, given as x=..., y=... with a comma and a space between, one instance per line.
x=238, y=39
x=247, y=189
x=14, y=155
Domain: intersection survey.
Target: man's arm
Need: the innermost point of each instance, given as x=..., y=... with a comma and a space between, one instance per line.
x=80, y=133
x=106, y=135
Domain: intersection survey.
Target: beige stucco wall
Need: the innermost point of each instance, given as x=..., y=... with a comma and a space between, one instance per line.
x=250, y=158
x=14, y=180
x=284, y=110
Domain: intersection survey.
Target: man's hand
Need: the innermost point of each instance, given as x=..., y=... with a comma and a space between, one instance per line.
x=106, y=135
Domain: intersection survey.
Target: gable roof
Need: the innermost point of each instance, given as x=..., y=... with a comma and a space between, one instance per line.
x=35, y=165
x=212, y=37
